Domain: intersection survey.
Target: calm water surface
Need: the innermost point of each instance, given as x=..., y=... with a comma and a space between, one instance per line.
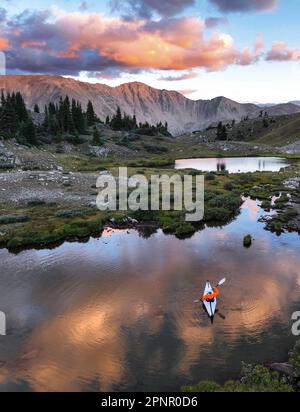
x=117, y=313
x=234, y=164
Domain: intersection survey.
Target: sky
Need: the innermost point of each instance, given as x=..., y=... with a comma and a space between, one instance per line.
x=246, y=50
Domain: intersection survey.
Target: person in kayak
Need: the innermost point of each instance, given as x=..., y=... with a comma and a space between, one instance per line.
x=210, y=297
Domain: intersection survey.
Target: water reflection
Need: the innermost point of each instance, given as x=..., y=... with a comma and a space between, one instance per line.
x=233, y=164
x=118, y=312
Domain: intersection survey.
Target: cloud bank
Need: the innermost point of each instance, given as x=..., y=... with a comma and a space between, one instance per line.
x=61, y=42
x=227, y=6
x=146, y=8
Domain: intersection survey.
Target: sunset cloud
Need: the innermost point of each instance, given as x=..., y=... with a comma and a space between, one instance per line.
x=3, y=14
x=227, y=6
x=187, y=92
x=4, y=43
x=185, y=76
x=281, y=52
x=146, y=8
x=67, y=43
x=212, y=22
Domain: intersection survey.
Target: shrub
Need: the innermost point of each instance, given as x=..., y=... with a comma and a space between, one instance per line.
x=276, y=226
x=69, y=213
x=7, y=219
x=247, y=241
x=36, y=202
x=216, y=214
x=185, y=229
x=288, y=214
x=228, y=186
x=144, y=215
x=266, y=204
x=204, y=386
x=294, y=358
x=256, y=379
x=228, y=201
x=210, y=177
x=155, y=148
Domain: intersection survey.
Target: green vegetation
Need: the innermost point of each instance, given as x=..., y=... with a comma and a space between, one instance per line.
x=14, y=118
x=222, y=202
x=8, y=219
x=265, y=129
x=247, y=241
x=294, y=359
x=45, y=226
x=222, y=132
x=69, y=213
x=67, y=121
x=66, y=118
x=127, y=123
x=255, y=379
x=97, y=141
x=185, y=229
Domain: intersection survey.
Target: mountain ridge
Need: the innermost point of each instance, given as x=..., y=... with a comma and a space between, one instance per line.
x=149, y=104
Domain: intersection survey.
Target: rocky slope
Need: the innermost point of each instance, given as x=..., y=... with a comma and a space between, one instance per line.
x=148, y=104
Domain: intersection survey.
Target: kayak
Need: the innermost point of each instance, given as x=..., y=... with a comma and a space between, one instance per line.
x=210, y=306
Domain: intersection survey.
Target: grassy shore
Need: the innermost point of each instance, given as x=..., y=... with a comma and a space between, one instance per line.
x=41, y=223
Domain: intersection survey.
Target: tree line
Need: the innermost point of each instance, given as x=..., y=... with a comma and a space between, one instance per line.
x=126, y=122
x=63, y=119
x=14, y=118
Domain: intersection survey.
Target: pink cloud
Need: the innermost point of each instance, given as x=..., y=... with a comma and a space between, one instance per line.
x=172, y=44
x=249, y=56
x=185, y=76
x=282, y=52
x=4, y=43
x=187, y=92
x=67, y=42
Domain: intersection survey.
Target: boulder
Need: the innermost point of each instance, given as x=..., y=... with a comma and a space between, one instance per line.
x=284, y=368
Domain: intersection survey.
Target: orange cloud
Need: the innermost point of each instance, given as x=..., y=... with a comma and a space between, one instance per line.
x=281, y=52
x=4, y=43
x=167, y=44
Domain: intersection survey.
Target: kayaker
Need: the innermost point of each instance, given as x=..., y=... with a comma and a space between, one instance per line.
x=211, y=296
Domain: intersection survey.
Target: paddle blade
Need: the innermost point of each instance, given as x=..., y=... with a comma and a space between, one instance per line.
x=222, y=281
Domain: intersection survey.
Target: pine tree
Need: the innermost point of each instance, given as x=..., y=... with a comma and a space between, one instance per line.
x=28, y=131
x=36, y=108
x=117, y=120
x=97, y=137
x=9, y=120
x=134, y=121
x=90, y=114
x=20, y=107
x=221, y=131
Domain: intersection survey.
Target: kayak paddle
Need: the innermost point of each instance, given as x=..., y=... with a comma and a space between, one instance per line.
x=221, y=282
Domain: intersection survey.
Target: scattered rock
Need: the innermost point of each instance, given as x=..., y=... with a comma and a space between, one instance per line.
x=284, y=368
